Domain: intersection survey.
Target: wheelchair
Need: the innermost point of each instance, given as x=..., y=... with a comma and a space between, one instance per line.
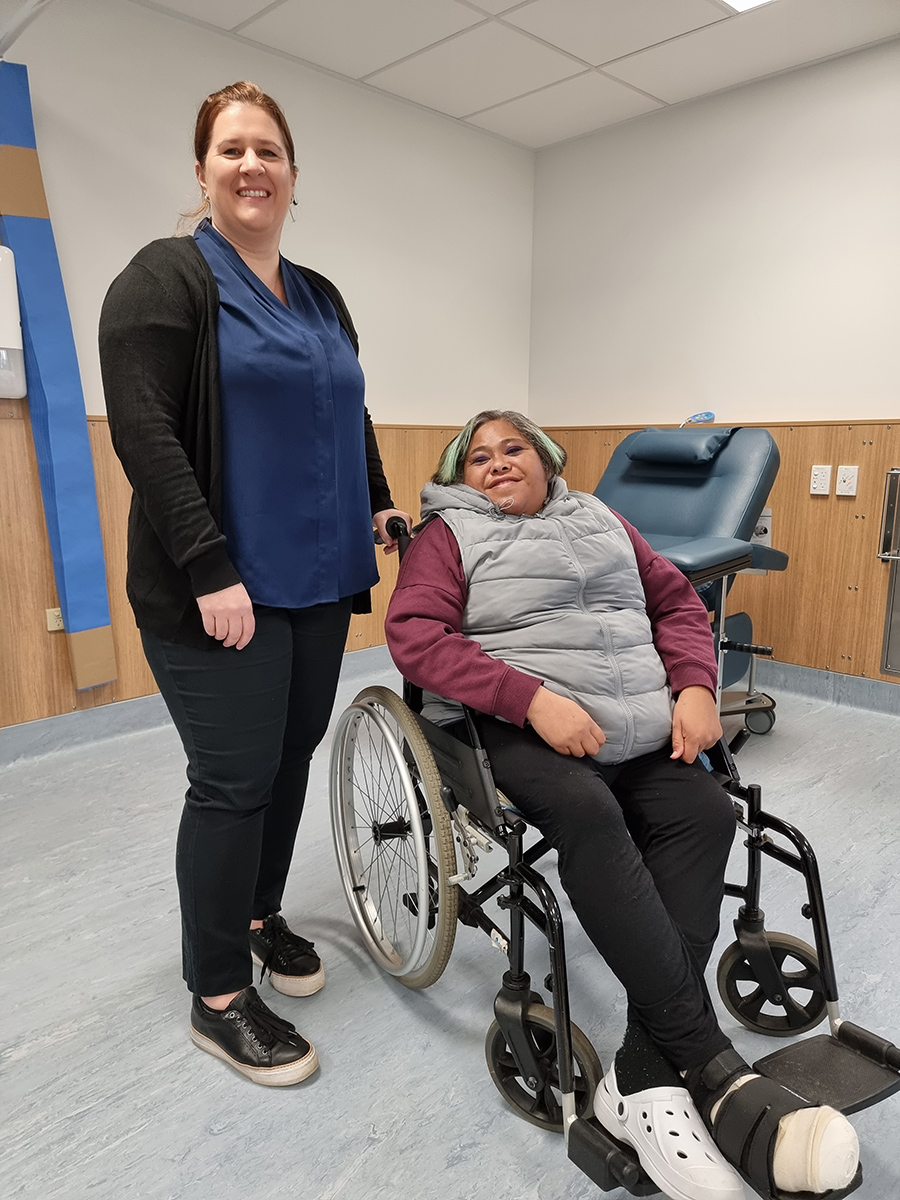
x=413, y=811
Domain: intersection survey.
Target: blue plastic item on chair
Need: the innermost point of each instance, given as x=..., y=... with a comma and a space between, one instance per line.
x=696, y=495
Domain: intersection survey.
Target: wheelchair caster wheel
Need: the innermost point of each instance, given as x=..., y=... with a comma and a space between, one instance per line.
x=543, y=1106
x=760, y=721
x=802, y=1005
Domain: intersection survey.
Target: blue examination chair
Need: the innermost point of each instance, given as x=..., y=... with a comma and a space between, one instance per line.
x=697, y=495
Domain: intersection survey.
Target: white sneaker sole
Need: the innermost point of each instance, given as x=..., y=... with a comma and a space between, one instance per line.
x=294, y=985
x=282, y=1076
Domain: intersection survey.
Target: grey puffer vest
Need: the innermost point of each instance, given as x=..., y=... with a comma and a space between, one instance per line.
x=559, y=596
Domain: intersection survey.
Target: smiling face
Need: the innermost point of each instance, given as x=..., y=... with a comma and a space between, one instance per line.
x=247, y=177
x=505, y=466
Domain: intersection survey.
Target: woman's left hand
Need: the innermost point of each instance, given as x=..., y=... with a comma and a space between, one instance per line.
x=381, y=519
x=695, y=723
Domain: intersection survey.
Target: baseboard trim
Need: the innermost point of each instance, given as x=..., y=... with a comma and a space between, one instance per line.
x=851, y=690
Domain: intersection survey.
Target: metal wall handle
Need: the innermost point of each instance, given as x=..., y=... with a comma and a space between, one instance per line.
x=890, y=518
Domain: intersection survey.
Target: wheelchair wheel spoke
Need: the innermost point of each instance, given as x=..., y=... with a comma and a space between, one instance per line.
x=753, y=1003
x=744, y=972
x=550, y=1104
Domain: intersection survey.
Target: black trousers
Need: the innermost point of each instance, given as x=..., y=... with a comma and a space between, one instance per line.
x=642, y=854
x=249, y=720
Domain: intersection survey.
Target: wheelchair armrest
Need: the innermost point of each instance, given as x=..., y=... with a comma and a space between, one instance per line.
x=706, y=559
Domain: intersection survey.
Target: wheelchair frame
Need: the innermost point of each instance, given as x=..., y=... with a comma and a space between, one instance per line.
x=543, y=1065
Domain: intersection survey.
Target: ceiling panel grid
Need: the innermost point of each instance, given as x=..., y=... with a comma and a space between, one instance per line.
x=540, y=71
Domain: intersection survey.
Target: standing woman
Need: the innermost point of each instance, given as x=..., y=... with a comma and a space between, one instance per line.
x=236, y=405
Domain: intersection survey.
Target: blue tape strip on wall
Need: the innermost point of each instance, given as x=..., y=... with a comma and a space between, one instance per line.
x=55, y=398
x=16, y=121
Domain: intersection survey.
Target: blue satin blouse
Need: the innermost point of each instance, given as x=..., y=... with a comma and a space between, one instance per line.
x=295, y=494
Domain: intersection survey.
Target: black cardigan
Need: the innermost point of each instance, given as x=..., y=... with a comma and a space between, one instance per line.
x=160, y=366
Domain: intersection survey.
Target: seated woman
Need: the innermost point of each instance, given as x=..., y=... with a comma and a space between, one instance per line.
x=546, y=612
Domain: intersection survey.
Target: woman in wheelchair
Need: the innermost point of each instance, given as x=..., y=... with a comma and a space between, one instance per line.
x=548, y=614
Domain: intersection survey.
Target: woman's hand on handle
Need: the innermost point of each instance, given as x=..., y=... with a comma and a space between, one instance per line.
x=380, y=520
x=228, y=615
x=564, y=725
x=695, y=723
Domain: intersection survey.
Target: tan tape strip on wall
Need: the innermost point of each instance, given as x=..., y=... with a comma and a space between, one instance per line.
x=21, y=184
x=93, y=657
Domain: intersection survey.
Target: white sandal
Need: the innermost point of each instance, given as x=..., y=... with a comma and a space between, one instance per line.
x=671, y=1141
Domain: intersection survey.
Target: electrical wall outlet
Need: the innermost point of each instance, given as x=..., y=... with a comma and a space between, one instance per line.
x=54, y=620
x=847, y=479
x=820, y=481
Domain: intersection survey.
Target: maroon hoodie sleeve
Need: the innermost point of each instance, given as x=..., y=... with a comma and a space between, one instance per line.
x=678, y=618
x=424, y=632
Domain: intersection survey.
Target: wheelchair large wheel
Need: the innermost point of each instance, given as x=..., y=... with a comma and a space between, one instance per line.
x=543, y=1106
x=804, y=1005
x=393, y=838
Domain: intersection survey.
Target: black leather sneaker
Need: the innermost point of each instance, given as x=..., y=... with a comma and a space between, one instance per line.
x=254, y=1040
x=291, y=960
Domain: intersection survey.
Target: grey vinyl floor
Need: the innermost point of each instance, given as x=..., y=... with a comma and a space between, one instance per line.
x=104, y=1097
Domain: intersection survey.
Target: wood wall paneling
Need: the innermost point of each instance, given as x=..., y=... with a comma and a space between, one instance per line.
x=410, y=454
x=826, y=610
x=35, y=676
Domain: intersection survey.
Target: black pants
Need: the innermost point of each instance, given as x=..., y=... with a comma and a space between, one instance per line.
x=642, y=854
x=249, y=720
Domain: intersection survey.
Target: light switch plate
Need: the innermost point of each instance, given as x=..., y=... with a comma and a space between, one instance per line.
x=820, y=481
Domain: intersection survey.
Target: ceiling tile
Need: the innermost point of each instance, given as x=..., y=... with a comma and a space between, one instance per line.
x=564, y=110
x=481, y=67
x=223, y=13
x=600, y=30
x=356, y=37
x=773, y=38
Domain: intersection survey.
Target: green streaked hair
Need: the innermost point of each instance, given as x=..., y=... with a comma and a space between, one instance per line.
x=452, y=464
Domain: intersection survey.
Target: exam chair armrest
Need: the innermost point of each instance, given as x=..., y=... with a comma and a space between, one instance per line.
x=767, y=559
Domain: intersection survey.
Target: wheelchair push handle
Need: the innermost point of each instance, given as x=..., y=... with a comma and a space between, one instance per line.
x=398, y=529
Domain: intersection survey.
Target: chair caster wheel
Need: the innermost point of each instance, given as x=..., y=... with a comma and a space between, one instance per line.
x=802, y=1003
x=542, y=1106
x=760, y=720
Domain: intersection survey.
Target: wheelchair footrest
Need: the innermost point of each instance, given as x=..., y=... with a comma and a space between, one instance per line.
x=825, y=1071
x=608, y=1162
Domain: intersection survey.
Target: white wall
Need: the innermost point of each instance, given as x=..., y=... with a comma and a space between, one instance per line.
x=424, y=226
x=739, y=253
